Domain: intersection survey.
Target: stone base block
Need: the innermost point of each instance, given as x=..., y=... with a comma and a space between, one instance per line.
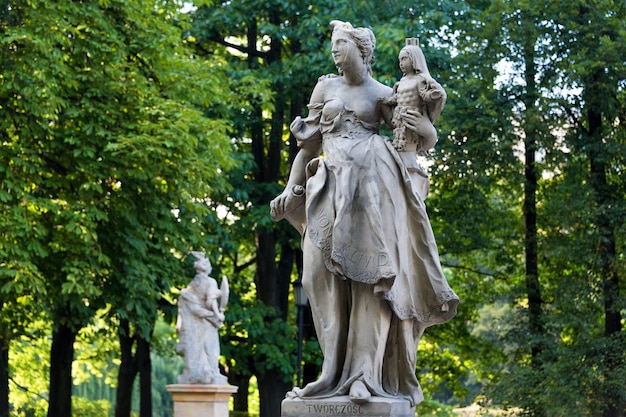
x=196, y=400
x=342, y=406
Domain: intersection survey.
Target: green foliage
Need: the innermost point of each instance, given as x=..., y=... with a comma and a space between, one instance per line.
x=561, y=51
x=245, y=340
x=433, y=408
x=29, y=366
x=95, y=371
x=108, y=156
x=99, y=119
x=165, y=371
x=89, y=408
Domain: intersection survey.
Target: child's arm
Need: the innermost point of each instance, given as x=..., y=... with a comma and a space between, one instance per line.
x=432, y=91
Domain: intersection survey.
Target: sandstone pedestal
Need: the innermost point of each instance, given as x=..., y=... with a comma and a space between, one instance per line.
x=196, y=400
x=343, y=407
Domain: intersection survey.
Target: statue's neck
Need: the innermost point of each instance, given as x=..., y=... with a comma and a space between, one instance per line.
x=355, y=75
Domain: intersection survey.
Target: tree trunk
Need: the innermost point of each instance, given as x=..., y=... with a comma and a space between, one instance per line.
x=127, y=372
x=272, y=390
x=4, y=374
x=272, y=279
x=145, y=373
x=241, y=396
x=606, y=253
x=532, y=131
x=277, y=125
x=61, y=357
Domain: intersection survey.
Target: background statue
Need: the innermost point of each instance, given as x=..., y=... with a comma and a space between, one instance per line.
x=199, y=318
x=371, y=268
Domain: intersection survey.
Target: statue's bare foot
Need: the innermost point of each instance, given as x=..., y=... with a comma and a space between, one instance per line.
x=293, y=393
x=359, y=392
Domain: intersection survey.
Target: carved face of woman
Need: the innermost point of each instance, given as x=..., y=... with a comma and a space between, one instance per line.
x=405, y=63
x=344, y=50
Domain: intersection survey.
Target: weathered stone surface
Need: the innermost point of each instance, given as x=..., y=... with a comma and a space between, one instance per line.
x=198, y=400
x=342, y=406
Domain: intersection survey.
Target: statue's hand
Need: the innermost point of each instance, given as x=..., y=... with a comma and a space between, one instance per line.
x=215, y=320
x=433, y=91
x=423, y=127
x=277, y=206
x=417, y=122
x=286, y=201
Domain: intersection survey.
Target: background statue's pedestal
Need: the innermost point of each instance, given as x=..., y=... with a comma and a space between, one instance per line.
x=197, y=400
x=343, y=407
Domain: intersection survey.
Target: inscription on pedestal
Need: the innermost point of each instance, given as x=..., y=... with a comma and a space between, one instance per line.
x=342, y=406
x=334, y=409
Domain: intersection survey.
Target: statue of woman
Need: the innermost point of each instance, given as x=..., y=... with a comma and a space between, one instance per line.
x=371, y=268
x=199, y=320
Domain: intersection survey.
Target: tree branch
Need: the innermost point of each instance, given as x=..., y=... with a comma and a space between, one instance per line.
x=239, y=268
x=572, y=116
x=25, y=389
x=247, y=49
x=468, y=269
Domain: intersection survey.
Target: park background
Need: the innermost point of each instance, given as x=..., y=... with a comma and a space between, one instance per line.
x=134, y=131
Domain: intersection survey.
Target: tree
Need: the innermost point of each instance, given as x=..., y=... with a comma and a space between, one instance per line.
x=259, y=64
x=108, y=158
x=521, y=31
x=553, y=56
x=599, y=70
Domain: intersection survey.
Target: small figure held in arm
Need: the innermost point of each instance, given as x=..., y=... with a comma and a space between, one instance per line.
x=199, y=319
x=417, y=102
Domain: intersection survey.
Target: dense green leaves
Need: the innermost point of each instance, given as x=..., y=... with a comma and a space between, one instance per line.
x=551, y=55
x=108, y=157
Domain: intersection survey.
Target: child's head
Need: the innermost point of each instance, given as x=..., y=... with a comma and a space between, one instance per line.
x=405, y=61
x=414, y=59
x=202, y=263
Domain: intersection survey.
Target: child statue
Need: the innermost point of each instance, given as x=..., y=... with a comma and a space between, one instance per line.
x=416, y=94
x=199, y=319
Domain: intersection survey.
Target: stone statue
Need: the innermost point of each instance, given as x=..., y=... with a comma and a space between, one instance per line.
x=371, y=268
x=199, y=318
x=417, y=93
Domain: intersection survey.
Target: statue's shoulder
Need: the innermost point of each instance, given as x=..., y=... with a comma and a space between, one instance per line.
x=383, y=90
x=328, y=77
x=325, y=84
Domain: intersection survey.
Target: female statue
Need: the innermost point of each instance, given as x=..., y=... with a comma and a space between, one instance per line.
x=199, y=319
x=371, y=268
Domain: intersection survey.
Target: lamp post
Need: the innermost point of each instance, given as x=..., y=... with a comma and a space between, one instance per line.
x=301, y=303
